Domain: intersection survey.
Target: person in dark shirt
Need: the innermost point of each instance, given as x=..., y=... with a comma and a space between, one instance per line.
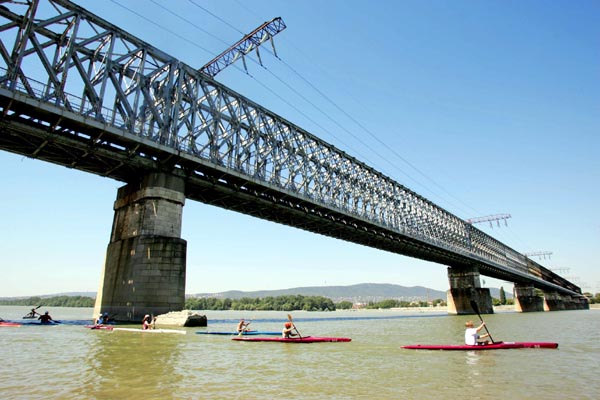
x=45, y=318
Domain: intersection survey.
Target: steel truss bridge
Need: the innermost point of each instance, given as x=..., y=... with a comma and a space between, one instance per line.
x=77, y=91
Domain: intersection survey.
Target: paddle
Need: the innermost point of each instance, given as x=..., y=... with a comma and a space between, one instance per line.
x=476, y=309
x=294, y=325
x=32, y=312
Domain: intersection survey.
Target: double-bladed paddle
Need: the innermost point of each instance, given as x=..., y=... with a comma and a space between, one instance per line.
x=294, y=325
x=32, y=312
x=476, y=309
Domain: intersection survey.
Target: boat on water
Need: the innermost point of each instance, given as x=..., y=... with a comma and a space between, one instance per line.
x=40, y=323
x=489, y=346
x=139, y=330
x=7, y=323
x=303, y=339
x=100, y=326
x=113, y=328
x=245, y=333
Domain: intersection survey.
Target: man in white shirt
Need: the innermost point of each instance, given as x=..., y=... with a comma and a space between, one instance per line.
x=472, y=334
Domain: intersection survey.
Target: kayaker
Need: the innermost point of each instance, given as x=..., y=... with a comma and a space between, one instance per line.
x=102, y=319
x=46, y=318
x=147, y=323
x=288, y=331
x=472, y=334
x=243, y=326
x=32, y=313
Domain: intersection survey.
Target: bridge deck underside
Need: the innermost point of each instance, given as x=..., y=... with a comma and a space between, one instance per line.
x=38, y=130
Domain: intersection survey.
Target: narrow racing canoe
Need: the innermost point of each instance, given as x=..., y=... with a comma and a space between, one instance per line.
x=490, y=346
x=149, y=330
x=106, y=327
x=237, y=333
x=304, y=339
x=6, y=323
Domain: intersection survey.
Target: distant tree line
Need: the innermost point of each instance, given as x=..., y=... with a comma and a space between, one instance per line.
x=270, y=303
x=291, y=303
x=278, y=303
x=57, y=301
x=391, y=303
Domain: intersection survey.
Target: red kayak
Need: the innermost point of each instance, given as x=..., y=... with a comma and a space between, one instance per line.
x=490, y=346
x=107, y=327
x=6, y=323
x=304, y=339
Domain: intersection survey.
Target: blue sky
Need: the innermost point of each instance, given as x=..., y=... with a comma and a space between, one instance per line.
x=483, y=107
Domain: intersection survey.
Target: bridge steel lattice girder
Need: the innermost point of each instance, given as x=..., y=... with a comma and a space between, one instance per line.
x=113, y=105
x=206, y=184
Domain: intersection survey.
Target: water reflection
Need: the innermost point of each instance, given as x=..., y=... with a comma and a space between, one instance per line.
x=119, y=362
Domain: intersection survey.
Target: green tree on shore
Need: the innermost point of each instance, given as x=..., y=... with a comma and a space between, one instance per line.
x=502, y=296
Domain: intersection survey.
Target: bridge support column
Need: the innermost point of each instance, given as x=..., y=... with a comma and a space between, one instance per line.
x=554, y=301
x=526, y=299
x=144, y=272
x=464, y=287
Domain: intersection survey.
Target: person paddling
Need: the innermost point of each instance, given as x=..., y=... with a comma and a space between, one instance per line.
x=288, y=331
x=472, y=334
x=32, y=313
x=243, y=326
x=147, y=322
x=46, y=318
x=103, y=319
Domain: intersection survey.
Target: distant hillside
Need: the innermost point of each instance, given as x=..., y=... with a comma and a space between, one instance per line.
x=363, y=292
x=45, y=296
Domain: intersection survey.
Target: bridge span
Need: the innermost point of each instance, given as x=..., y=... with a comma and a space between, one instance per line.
x=80, y=92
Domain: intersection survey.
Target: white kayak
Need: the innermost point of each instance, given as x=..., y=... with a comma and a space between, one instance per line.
x=150, y=330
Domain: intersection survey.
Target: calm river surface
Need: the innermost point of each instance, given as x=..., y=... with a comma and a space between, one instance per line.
x=71, y=362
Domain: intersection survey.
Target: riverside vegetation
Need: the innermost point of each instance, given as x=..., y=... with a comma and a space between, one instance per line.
x=278, y=303
x=274, y=303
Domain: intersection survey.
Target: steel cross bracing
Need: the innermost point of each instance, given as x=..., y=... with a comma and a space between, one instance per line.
x=78, y=91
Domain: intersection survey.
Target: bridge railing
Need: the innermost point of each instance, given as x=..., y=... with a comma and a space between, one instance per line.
x=39, y=91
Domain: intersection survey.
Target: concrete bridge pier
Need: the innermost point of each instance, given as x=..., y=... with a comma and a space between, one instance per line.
x=464, y=287
x=526, y=299
x=554, y=301
x=144, y=271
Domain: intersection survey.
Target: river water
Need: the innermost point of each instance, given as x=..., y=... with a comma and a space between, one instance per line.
x=70, y=362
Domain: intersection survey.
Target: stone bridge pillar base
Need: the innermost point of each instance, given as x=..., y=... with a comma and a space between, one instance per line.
x=464, y=287
x=554, y=301
x=144, y=272
x=526, y=299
